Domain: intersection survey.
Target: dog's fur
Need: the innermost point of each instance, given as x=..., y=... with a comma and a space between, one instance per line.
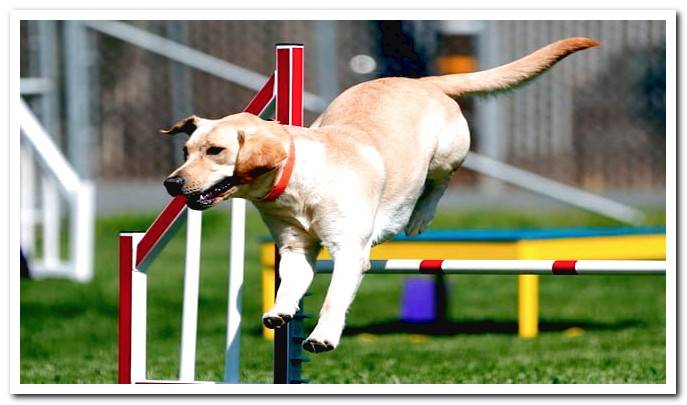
x=375, y=162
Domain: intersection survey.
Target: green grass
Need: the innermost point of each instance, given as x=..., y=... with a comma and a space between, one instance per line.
x=69, y=330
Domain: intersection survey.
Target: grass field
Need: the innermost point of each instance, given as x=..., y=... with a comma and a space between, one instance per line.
x=594, y=329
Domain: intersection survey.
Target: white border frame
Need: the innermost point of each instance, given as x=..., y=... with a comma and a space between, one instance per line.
x=671, y=194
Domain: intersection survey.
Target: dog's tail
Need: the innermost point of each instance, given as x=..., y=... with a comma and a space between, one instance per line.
x=509, y=76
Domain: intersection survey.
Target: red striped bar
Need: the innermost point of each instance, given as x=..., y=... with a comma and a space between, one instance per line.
x=431, y=266
x=258, y=104
x=564, y=267
x=124, y=336
x=543, y=267
x=160, y=227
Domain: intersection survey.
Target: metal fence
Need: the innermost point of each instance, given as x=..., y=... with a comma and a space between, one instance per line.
x=596, y=121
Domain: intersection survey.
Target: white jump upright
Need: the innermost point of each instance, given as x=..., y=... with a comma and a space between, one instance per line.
x=189, y=317
x=137, y=250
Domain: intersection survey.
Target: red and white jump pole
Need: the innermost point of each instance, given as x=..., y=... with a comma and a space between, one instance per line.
x=289, y=111
x=555, y=267
x=138, y=249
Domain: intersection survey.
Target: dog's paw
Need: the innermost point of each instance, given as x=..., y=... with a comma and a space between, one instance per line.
x=275, y=321
x=324, y=338
x=417, y=223
x=316, y=346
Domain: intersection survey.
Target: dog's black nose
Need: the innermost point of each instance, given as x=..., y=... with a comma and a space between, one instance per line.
x=174, y=185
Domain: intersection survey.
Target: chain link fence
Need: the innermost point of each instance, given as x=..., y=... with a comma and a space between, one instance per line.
x=596, y=121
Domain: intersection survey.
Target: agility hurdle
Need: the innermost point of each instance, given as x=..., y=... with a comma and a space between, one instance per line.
x=595, y=243
x=496, y=267
x=137, y=250
x=504, y=267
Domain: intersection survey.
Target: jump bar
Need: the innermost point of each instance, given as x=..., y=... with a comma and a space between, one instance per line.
x=556, y=267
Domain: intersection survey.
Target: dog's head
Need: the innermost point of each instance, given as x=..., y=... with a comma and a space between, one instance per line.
x=224, y=158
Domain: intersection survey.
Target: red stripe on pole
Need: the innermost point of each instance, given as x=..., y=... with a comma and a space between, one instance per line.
x=564, y=267
x=284, y=85
x=124, y=337
x=431, y=266
x=297, y=86
x=259, y=102
x=160, y=227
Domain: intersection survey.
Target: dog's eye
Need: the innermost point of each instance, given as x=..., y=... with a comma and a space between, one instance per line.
x=214, y=150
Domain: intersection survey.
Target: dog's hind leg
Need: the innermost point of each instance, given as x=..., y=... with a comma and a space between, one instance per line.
x=452, y=148
x=426, y=205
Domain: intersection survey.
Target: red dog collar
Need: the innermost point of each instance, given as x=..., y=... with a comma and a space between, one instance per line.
x=283, y=181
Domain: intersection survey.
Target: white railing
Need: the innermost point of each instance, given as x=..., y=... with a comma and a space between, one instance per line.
x=57, y=179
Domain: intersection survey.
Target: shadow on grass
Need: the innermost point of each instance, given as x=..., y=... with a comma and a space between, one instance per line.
x=480, y=327
x=474, y=327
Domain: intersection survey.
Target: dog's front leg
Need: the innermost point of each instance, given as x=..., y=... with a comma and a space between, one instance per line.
x=349, y=265
x=296, y=270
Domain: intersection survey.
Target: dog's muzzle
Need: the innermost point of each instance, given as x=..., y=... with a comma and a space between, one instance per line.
x=213, y=195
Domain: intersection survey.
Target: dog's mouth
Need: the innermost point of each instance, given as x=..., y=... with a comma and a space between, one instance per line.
x=213, y=195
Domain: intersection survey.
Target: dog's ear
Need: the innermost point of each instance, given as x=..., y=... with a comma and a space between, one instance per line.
x=186, y=125
x=258, y=154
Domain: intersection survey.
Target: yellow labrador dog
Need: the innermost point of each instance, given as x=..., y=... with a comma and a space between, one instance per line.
x=374, y=163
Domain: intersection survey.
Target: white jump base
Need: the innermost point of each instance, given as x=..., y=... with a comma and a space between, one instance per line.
x=544, y=267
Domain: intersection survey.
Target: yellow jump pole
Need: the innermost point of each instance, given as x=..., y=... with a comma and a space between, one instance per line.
x=267, y=262
x=528, y=306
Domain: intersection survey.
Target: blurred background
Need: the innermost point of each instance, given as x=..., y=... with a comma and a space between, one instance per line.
x=583, y=145
x=596, y=121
